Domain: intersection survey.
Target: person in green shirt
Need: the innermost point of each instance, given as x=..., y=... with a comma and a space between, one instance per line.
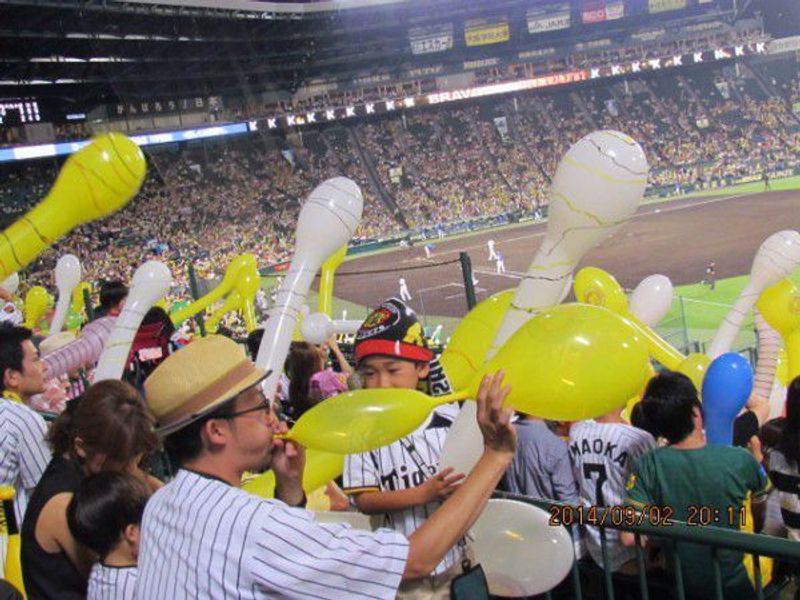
x=689, y=474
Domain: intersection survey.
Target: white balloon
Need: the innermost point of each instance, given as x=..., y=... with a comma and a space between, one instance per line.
x=520, y=552
x=11, y=283
x=68, y=276
x=463, y=445
x=597, y=187
x=327, y=221
x=150, y=283
x=775, y=259
x=652, y=299
x=317, y=328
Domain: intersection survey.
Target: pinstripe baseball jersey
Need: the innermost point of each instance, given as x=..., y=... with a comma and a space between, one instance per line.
x=24, y=454
x=393, y=468
x=111, y=583
x=202, y=538
x=603, y=455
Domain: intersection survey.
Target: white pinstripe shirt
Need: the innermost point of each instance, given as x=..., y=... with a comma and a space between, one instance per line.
x=24, y=454
x=111, y=583
x=393, y=468
x=202, y=538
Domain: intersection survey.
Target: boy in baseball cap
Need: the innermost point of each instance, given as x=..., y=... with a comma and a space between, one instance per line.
x=400, y=481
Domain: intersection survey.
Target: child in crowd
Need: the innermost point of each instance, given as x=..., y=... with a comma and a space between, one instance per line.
x=400, y=481
x=105, y=515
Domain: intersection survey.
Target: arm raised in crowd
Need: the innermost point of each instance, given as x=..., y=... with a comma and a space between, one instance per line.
x=450, y=522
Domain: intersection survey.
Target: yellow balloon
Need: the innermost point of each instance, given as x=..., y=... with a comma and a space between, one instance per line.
x=629, y=406
x=471, y=340
x=782, y=368
x=325, y=300
x=248, y=285
x=570, y=362
x=228, y=283
x=321, y=467
x=13, y=564
x=94, y=182
x=779, y=304
x=78, y=305
x=694, y=367
x=600, y=288
x=232, y=302
x=37, y=302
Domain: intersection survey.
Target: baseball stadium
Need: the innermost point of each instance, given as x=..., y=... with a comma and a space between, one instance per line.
x=414, y=299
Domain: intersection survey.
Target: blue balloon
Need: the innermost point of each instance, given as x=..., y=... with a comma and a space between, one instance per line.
x=726, y=388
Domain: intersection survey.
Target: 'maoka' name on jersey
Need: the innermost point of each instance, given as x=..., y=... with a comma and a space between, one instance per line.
x=600, y=447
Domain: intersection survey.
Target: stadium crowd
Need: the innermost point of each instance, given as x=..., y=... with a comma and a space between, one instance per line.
x=421, y=169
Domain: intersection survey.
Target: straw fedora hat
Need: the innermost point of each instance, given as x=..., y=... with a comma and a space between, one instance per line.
x=196, y=380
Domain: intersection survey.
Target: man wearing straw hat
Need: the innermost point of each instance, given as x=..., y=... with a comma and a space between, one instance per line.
x=203, y=537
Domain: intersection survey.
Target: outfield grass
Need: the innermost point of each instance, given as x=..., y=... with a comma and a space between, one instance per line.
x=776, y=185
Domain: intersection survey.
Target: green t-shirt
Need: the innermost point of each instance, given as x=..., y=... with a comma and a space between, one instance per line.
x=719, y=477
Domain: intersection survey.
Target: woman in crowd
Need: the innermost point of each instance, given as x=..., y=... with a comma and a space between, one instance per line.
x=108, y=429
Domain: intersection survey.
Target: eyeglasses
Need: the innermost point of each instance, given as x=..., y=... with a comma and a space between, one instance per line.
x=264, y=405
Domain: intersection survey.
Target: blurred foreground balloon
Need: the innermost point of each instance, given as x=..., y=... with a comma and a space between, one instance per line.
x=95, y=181
x=570, y=362
x=520, y=552
x=726, y=388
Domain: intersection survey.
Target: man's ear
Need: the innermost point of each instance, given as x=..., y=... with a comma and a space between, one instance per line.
x=11, y=378
x=215, y=432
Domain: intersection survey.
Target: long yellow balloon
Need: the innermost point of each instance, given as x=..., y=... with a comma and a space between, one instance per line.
x=37, y=302
x=600, y=288
x=779, y=304
x=13, y=566
x=247, y=287
x=570, y=362
x=327, y=272
x=232, y=302
x=78, y=304
x=321, y=467
x=473, y=337
x=227, y=284
x=94, y=182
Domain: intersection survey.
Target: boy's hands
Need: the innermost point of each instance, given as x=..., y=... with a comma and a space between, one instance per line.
x=440, y=486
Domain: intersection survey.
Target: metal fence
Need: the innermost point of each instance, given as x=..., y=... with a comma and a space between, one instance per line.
x=673, y=585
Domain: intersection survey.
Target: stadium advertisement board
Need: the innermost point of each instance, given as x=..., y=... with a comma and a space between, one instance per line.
x=427, y=40
x=550, y=17
x=481, y=32
x=367, y=109
x=658, y=6
x=597, y=11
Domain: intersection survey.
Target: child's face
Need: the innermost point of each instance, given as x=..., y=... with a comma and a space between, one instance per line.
x=388, y=372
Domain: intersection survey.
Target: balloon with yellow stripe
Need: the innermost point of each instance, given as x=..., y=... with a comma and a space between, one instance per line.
x=96, y=181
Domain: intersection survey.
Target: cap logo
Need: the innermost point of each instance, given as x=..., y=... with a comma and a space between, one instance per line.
x=384, y=317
